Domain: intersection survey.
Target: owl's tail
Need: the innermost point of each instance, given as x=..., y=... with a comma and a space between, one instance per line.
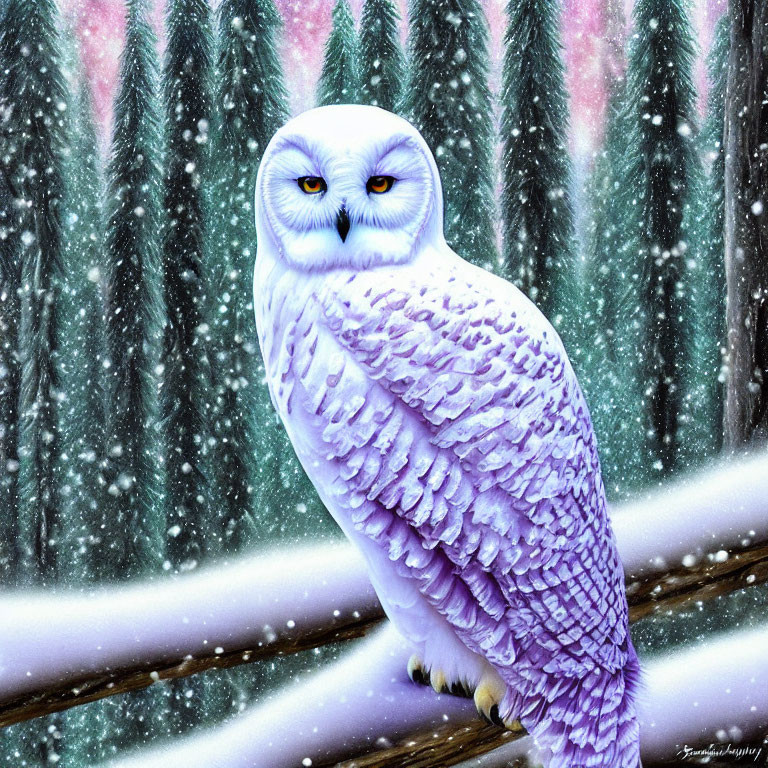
x=588, y=721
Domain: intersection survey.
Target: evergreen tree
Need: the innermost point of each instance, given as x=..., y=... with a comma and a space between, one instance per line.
x=10, y=286
x=134, y=526
x=746, y=227
x=194, y=526
x=340, y=79
x=33, y=106
x=449, y=101
x=257, y=470
x=187, y=81
x=80, y=731
x=83, y=347
x=382, y=68
x=663, y=168
x=607, y=364
x=536, y=209
x=702, y=428
x=251, y=104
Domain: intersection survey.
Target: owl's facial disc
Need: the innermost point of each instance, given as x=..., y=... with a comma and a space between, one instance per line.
x=340, y=200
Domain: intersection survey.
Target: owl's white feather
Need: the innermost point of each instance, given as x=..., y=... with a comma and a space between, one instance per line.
x=435, y=411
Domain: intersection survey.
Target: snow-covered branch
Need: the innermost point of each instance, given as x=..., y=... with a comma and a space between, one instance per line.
x=722, y=509
x=365, y=704
x=702, y=538
x=58, y=649
x=696, y=539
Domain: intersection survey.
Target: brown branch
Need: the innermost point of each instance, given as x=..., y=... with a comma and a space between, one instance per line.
x=704, y=581
x=443, y=746
x=681, y=586
x=73, y=693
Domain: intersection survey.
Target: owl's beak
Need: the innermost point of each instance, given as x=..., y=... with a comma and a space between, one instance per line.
x=342, y=223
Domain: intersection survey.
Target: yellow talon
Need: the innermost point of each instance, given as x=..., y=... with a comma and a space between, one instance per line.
x=416, y=670
x=488, y=697
x=437, y=678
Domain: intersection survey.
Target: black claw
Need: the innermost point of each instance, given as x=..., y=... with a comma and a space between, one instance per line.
x=419, y=676
x=495, y=719
x=459, y=689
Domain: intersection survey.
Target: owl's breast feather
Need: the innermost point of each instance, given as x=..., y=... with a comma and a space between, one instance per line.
x=437, y=415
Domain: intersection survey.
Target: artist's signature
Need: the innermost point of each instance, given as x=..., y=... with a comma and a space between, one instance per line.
x=751, y=754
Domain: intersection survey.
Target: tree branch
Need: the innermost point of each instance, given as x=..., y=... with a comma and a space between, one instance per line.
x=363, y=712
x=59, y=650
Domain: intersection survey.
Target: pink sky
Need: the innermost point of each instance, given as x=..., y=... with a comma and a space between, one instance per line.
x=594, y=33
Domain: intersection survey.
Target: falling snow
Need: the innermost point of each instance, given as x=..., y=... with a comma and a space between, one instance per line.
x=276, y=504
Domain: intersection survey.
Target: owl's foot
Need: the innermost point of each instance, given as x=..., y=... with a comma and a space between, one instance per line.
x=488, y=697
x=419, y=673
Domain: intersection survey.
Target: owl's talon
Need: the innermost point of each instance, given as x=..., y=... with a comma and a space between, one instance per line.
x=416, y=671
x=419, y=674
x=488, y=695
x=437, y=678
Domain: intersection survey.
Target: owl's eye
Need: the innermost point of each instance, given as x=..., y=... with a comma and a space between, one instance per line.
x=312, y=185
x=380, y=184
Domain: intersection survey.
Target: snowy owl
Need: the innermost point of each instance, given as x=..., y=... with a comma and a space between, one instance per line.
x=436, y=412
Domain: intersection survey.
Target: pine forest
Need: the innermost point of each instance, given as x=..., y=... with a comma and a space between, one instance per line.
x=137, y=436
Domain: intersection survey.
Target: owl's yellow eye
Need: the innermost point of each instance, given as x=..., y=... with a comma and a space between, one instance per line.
x=380, y=184
x=312, y=185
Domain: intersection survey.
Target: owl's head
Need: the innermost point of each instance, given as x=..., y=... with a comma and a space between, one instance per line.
x=348, y=186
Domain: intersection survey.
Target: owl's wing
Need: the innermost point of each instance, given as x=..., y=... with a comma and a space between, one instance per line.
x=471, y=461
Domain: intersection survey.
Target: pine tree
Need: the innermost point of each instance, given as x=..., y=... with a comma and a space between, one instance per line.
x=257, y=470
x=10, y=286
x=382, y=67
x=536, y=207
x=83, y=347
x=10, y=283
x=702, y=428
x=608, y=367
x=251, y=104
x=134, y=525
x=664, y=164
x=194, y=526
x=83, y=417
x=340, y=79
x=33, y=105
x=746, y=227
x=186, y=377
x=449, y=101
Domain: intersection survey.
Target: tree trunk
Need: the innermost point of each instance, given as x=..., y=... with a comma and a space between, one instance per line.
x=746, y=224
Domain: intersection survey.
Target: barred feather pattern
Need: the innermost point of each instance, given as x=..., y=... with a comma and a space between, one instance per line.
x=437, y=414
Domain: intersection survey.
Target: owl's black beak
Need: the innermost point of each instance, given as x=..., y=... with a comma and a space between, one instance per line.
x=342, y=223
